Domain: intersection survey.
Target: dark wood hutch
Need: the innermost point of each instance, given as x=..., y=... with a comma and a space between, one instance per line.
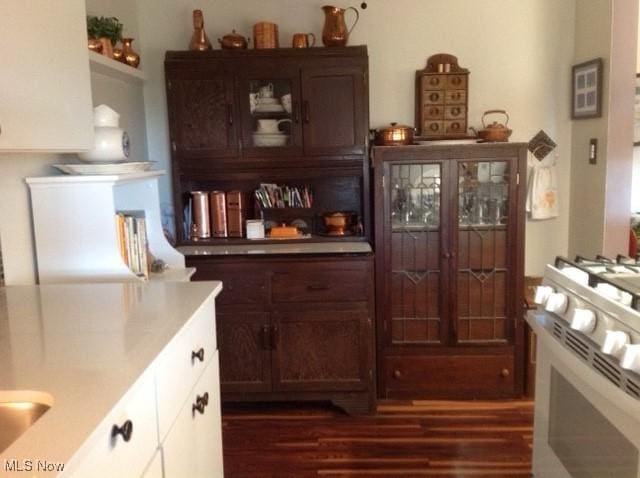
x=290, y=326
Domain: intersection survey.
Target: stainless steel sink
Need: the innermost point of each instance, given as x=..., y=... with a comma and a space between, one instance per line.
x=18, y=411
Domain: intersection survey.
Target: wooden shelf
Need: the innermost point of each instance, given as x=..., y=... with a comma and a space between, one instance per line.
x=223, y=241
x=109, y=67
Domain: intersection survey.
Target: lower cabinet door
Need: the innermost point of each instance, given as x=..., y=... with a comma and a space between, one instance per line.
x=193, y=446
x=244, y=344
x=125, y=441
x=321, y=350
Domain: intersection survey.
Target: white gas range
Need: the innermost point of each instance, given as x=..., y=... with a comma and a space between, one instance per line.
x=587, y=406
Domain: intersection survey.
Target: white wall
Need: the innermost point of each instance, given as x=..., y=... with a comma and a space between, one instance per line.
x=519, y=54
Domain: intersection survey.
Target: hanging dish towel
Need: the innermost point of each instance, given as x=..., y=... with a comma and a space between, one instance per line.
x=542, y=193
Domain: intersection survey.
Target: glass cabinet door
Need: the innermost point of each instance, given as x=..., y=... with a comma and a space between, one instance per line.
x=272, y=116
x=414, y=200
x=482, y=251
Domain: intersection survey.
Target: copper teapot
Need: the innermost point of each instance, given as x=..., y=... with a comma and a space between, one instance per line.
x=233, y=41
x=335, y=32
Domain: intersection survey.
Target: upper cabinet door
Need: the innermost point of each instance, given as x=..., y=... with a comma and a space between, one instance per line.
x=334, y=110
x=202, y=114
x=45, y=95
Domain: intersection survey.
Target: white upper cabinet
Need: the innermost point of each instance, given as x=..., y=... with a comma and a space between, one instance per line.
x=45, y=87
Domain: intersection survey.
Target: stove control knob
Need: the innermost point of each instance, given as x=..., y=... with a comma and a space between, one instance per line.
x=615, y=342
x=557, y=303
x=583, y=320
x=631, y=358
x=542, y=294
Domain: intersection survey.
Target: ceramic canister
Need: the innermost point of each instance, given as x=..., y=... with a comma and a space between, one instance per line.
x=110, y=142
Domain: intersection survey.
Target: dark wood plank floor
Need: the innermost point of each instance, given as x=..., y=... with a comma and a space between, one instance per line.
x=442, y=439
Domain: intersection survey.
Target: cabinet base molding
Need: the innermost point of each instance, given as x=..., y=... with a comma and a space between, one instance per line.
x=350, y=403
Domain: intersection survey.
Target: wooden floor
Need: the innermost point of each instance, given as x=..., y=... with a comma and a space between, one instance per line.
x=404, y=439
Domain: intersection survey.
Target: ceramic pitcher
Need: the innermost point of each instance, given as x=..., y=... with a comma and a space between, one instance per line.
x=335, y=32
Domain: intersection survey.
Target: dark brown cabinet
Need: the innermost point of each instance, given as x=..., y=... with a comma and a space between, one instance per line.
x=290, y=326
x=449, y=268
x=296, y=329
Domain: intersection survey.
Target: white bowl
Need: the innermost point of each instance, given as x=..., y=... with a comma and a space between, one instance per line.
x=270, y=140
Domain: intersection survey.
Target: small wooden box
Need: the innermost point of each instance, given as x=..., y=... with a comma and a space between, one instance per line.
x=442, y=98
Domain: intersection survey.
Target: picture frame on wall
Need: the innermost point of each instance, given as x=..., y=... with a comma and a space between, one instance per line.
x=636, y=113
x=586, y=90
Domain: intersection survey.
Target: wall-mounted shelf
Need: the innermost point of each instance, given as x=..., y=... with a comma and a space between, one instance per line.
x=113, y=68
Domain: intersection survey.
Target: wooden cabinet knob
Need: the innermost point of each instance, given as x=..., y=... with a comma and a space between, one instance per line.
x=505, y=372
x=434, y=81
x=434, y=97
x=397, y=374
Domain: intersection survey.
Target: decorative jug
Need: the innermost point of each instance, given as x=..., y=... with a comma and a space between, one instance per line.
x=335, y=32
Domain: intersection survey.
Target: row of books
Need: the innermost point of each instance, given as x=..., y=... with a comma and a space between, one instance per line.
x=280, y=196
x=134, y=248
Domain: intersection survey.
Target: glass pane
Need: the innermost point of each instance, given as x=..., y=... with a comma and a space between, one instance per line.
x=415, y=196
x=270, y=104
x=415, y=246
x=483, y=193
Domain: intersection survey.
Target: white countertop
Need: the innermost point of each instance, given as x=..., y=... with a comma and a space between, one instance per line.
x=342, y=247
x=84, y=345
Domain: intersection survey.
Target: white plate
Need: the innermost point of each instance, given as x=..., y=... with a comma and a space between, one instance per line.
x=111, y=168
x=269, y=109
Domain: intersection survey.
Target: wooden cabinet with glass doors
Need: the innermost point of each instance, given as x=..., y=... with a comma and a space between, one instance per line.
x=449, y=270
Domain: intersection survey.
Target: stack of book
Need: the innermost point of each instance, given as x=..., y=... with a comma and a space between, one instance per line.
x=281, y=196
x=134, y=248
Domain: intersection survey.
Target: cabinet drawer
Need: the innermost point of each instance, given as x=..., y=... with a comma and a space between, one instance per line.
x=180, y=364
x=456, y=376
x=433, y=97
x=193, y=446
x=434, y=82
x=240, y=286
x=458, y=82
x=455, y=127
x=107, y=454
x=454, y=112
x=317, y=285
x=433, y=127
x=433, y=112
x=455, y=97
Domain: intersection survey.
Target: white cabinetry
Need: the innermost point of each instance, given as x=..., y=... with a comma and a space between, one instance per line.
x=166, y=424
x=76, y=235
x=45, y=87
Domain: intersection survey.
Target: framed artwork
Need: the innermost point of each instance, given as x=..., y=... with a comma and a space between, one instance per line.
x=636, y=113
x=586, y=90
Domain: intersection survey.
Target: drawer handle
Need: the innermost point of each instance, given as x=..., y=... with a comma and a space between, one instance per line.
x=313, y=287
x=434, y=96
x=126, y=430
x=201, y=404
x=505, y=372
x=197, y=355
x=397, y=374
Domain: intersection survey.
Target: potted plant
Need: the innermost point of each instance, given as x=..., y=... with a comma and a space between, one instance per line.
x=106, y=30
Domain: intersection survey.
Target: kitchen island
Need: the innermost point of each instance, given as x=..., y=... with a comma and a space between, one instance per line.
x=113, y=360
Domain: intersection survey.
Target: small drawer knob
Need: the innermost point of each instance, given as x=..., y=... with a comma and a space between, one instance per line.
x=198, y=355
x=397, y=374
x=201, y=404
x=126, y=430
x=505, y=372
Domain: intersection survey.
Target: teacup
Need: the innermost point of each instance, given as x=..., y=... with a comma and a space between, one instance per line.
x=301, y=40
x=270, y=126
x=266, y=91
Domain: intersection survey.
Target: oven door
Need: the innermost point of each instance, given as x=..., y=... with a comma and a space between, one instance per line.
x=585, y=426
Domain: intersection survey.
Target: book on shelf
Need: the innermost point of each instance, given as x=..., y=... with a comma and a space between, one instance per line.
x=278, y=196
x=133, y=242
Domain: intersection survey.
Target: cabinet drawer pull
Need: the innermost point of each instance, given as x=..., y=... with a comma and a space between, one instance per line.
x=198, y=407
x=505, y=372
x=229, y=114
x=397, y=374
x=204, y=398
x=197, y=355
x=275, y=337
x=313, y=287
x=126, y=430
x=264, y=336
